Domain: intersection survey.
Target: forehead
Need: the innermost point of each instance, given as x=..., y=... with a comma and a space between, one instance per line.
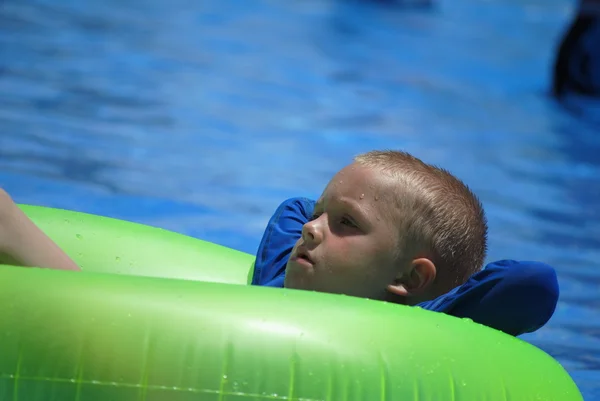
x=368, y=186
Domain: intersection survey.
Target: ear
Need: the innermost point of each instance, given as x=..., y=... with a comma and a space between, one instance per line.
x=416, y=280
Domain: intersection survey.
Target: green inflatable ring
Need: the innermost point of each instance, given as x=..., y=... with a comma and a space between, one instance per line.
x=160, y=316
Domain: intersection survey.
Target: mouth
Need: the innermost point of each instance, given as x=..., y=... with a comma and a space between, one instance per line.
x=302, y=256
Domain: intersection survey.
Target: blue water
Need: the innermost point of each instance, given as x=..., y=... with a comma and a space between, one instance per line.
x=201, y=117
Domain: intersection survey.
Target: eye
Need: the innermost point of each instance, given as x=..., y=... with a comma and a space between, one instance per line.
x=315, y=216
x=348, y=222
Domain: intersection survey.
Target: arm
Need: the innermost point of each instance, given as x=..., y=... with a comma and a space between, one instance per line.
x=510, y=296
x=23, y=243
x=282, y=232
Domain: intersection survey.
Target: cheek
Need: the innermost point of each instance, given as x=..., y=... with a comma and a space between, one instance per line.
x=356, y=256
x=377, y=261
x=342, y=249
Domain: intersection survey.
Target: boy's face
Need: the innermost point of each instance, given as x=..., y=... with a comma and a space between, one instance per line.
x=351, y=245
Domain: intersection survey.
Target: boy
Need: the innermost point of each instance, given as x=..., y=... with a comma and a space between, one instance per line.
x=387, y=227
x=392, y=228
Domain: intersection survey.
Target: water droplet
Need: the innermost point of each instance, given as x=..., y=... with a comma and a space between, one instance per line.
x=225, y=377
x=117, y=258
x=72, y=380
x=79, y=236
x=310, y=373
x=376, y=197
x=274, y=395
x=341, y=181
x=463, y=383
x=466, y=319
x=362, y=196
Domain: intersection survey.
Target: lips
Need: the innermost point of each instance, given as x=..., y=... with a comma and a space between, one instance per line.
x=302, y=253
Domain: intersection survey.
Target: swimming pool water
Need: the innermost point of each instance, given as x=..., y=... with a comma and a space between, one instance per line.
x=201, y=117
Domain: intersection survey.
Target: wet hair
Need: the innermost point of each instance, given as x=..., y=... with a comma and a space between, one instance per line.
x=438, y=213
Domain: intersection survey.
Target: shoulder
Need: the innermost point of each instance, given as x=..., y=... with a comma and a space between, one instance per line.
x=538, y=278
x=513, y=296
x=527, y=291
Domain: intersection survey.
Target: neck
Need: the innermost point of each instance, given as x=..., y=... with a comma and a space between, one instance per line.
x=408, y=301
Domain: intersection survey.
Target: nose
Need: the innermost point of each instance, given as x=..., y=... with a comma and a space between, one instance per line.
x=312, y=232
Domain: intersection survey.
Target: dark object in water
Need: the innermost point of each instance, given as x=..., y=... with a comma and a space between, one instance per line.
x=577, y=64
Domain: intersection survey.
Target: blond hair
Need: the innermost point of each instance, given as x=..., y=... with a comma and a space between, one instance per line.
x=438, y=213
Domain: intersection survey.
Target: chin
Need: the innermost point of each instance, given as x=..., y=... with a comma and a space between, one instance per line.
x=293, y=285
x=293, y=282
